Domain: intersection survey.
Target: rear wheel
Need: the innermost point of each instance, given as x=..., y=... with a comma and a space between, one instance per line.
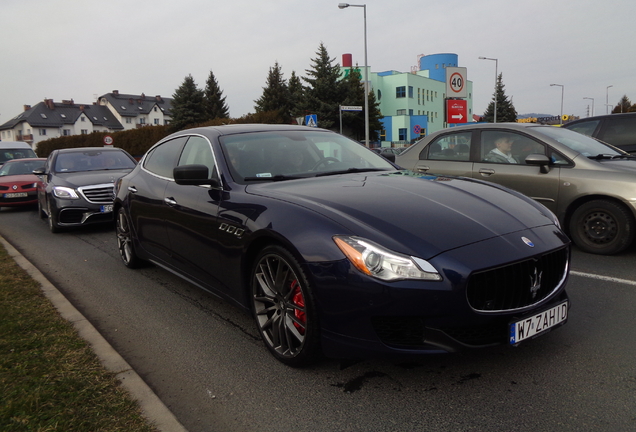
x=125, y=241
x=602, y=227
x=283, y=307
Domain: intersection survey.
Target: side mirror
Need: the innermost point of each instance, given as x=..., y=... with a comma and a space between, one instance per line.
x=540, y=160
x=194, y=175
x=39, y=171
x=389, y=156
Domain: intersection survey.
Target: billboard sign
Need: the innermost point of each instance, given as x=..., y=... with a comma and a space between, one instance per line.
x=456, y=111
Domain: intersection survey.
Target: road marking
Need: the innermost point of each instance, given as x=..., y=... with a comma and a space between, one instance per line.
x=604, y=278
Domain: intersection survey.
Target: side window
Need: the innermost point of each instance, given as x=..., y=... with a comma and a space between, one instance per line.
x=508, y=147
x=619, y=131
x=163, y=158
x=449, y=147
x=198, y=151
x=586, y=128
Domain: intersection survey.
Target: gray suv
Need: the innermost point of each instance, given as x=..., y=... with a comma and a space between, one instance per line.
x=616, y=129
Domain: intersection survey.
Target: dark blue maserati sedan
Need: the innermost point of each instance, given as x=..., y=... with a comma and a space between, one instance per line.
x=337, y=251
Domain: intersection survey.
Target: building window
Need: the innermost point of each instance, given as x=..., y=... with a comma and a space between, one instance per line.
x=379, y=95
x=142, y=120
x=156, y=121
x=401, y=112
x=411, y=92
x=42, y=132
x=82, y=118
x=66, y=132
x=402, y=134
x=128, y=120
x=410, y=112
x=400, y=92
x=84, y=132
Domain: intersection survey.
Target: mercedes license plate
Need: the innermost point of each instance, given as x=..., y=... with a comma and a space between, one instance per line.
x=538, y=323
x=106, y=208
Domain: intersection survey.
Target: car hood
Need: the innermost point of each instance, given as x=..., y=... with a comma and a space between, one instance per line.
x=22, y=178
x=86, y=178
x=411, y=212
x=627, y=165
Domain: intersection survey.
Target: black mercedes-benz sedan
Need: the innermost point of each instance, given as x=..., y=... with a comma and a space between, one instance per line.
x=76, y=185
x=335, y=250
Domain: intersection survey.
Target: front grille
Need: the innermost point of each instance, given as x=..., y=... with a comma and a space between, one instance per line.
x=98, y=194
x=518, y=285
x=79, y=216
x=479, y=335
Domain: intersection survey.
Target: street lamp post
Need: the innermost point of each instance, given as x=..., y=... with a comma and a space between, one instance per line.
x=496, y=76
x=607, y=99
x=562, y=88
x=592, y=99
x=366, y=73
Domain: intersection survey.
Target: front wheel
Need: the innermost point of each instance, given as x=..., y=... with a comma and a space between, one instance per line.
x=52, y=219
x=125, y=241
x=283, y=307
x=602, y=227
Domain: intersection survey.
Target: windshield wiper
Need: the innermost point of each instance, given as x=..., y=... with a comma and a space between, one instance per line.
x=277, y=177
x=601, y=156
x=626, y=156
x=350, y=170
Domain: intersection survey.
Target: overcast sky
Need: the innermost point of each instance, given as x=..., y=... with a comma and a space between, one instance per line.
x=79, y=49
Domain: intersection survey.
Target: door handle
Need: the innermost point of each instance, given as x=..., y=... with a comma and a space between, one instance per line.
x=422, y=168
x=486, y=172
x=170, y=201
x=132, y=189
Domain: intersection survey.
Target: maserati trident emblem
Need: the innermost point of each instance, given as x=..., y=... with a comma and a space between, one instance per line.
x=535, y=282
x=527, y=241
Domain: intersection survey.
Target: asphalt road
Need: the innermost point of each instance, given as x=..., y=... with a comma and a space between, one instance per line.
x=205, y=361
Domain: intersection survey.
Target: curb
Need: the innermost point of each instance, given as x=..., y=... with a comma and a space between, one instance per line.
x=151, y=406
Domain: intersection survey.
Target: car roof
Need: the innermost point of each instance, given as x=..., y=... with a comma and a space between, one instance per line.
x=84, y=149
x=600, y=117
x=14, y=144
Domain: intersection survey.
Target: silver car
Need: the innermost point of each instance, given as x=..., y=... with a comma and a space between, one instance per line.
x=589, y=185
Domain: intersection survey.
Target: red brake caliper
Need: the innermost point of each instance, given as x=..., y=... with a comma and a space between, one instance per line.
x=298, y=300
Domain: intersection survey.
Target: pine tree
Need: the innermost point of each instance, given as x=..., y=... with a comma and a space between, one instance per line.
x=215, y=106
x=354, y=121
x=275, y=96
x=187, y=105
x=295, y=88
x=506, y=112
x=324, y=91
x=624, y=105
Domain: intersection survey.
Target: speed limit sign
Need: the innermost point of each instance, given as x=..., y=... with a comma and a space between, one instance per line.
x=456, y=82
x=108, y=140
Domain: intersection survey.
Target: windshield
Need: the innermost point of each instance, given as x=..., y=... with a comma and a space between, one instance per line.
x=8, y=154
x=93, y=160
x=282, y=155
x=578, y=142
x=21, y=167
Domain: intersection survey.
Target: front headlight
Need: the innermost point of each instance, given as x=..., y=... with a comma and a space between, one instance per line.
x=377, y=261
x=65, y=193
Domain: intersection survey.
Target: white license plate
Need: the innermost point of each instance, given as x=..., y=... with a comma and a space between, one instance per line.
x=538, y=323
x=16, y=195
x=106, y=208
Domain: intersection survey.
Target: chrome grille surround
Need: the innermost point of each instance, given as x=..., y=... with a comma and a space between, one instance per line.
x=518, y=286
x=98, y=194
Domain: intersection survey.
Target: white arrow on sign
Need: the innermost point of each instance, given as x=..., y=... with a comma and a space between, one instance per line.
x=457, y=116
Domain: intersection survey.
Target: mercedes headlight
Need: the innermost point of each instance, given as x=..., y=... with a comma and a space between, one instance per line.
x=65, y=193
x=377, y=261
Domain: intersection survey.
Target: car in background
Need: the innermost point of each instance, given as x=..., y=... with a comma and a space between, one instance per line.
x=338, y=251
x=589, y=185
x=15, y=150
x=616, y=129
x=18, y=184
x=75, y=186
x=388, y=152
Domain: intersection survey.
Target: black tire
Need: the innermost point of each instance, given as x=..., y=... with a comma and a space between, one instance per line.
x=602, y=227
x=284, y=308
x=125, y=243
x=41, y=212
x=53, y=225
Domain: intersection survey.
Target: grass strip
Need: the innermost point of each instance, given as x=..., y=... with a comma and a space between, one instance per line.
x=50, y=380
